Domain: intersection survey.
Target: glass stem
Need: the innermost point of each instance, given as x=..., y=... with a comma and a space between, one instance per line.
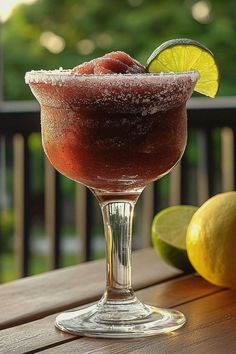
x=118, y=218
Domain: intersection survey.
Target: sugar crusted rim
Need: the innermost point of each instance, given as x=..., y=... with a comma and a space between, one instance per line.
x=64, y=76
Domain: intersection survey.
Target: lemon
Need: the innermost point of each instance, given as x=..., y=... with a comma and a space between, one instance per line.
x=169, y=235
x=211, y=240
x=179, y=55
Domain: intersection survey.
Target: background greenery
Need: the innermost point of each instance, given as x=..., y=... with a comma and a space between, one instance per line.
x=49, y=34
x=89, y=28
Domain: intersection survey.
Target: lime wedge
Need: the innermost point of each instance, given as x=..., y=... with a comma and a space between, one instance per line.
x=179, y=55
x=169, y=230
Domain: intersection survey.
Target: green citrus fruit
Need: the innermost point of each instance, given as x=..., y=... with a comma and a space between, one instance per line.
x=169, y=235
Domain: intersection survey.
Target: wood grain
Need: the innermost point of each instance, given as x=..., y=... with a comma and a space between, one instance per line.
x=38, y=296
x=42, y=334
x=210, y=329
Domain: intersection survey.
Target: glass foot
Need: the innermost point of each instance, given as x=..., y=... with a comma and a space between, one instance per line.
x=114, y=319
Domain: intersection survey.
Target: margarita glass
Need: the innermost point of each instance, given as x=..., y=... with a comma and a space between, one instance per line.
x=115, y=134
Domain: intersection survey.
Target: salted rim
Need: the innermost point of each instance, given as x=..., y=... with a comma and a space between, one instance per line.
x=54, y=76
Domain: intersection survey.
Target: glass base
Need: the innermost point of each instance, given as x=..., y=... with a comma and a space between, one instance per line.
x=120, y=319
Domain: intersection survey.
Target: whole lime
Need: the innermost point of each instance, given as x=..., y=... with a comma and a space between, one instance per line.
x=169, y=235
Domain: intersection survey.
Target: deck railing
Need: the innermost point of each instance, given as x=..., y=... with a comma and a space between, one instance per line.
x=212, y=127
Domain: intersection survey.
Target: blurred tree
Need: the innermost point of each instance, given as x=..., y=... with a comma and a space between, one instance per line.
x=49, y=34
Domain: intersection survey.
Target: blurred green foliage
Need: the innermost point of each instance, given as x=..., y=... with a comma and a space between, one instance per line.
x=87, y=28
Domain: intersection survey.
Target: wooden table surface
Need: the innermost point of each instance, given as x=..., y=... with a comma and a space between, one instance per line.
x=29, y=306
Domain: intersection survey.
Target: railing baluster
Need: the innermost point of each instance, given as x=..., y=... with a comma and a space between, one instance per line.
x=227, y=159
x=3, y=195
x=53, y=214
x=175, y=185
x=147, y=214
x=3, y=181
x=210, y=162
x=22, y=203
x=202, y=177
x=81, y=220
x=84, y=216
x=184, y=180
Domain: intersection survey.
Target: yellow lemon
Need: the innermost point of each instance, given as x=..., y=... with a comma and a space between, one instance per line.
x=211, y=240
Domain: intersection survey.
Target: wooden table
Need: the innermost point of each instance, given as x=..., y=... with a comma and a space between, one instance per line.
x=28, y=308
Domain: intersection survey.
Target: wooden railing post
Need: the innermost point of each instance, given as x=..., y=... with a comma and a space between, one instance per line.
x=53, y=214
x=210, y=161
x=202, y=177
x=147, y=214
x=3, y=196
x=22, y=203
x=83, y=217
x=227, y=159
x=175, y=185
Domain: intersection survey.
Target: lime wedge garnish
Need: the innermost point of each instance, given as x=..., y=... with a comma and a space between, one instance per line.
x=179, y=55
x=169, y=230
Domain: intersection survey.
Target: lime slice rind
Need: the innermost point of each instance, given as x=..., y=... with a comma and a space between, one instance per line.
x=175, y=42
